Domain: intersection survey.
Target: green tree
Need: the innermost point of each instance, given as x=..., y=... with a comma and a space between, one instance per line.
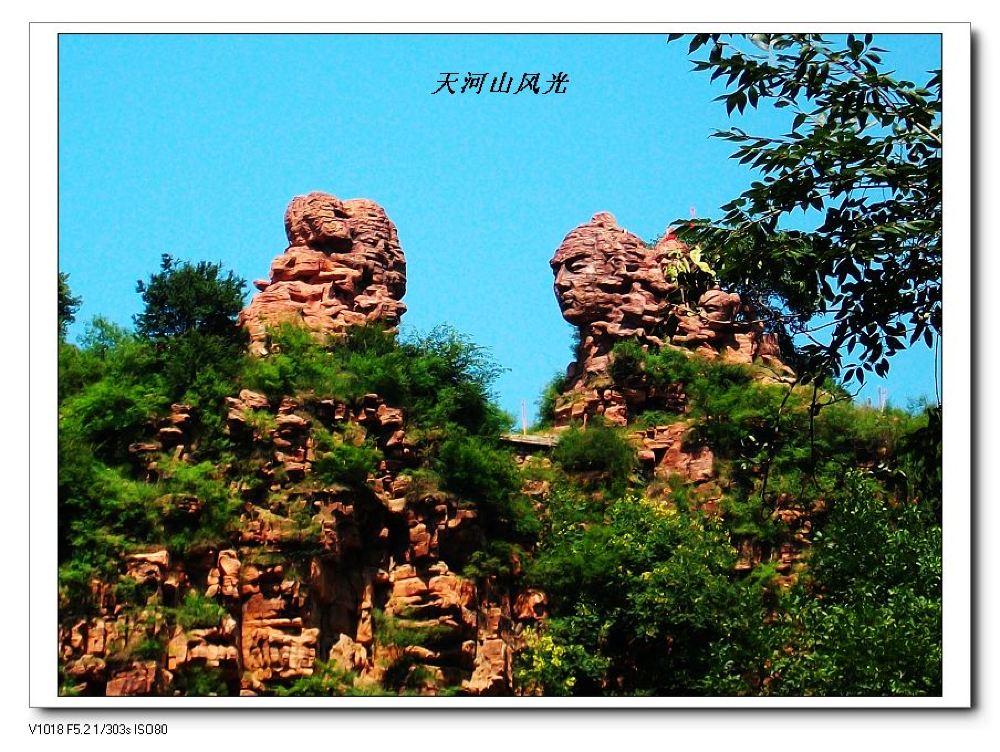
x=190, y=317
x=69, y=304
x=184, y=297
x=863, y=153
x=875, y=628
x=641, y=595
x=598, y=449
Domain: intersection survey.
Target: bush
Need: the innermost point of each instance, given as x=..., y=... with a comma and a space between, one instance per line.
x=550, y=665
x=597, y=449
x=111, y=414
x=639, y=588
x=101, y=512
x=150, y=648
x=199, y=612
x=193, y=680
x=212, y=524
x=450, y=380
x=627, y=360
x=326, y=680
x=346, y=464
x=550, y=397
x=393, y=630
x=470, y=467
x=438, y=379
x=75, y=596
x=298, y=364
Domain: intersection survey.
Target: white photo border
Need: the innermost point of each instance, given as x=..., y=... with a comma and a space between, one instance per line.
x=956, y=366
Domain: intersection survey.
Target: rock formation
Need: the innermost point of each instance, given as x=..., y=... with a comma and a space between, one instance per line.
x=343, y=267
x=380, y=555
x=612, y=286
x=316, y=571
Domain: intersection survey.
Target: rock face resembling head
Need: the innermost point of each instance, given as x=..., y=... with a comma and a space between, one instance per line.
x=606, y=276
x=343, y=267
x=613, y=286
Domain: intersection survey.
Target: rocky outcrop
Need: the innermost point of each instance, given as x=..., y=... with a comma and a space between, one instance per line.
x=667, y=454
x=612, y=286
x=343, y=267
x=363, y=577
x=360, y=572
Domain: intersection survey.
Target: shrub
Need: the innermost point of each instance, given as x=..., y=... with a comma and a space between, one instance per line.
x=346, y=464
x=438, y=379
x=550, y=396
x=393, y=630
x=199, y=612
x=597, y=449
x=627, y=360
x=549, y=665
x=150, y=648
x=101, y=511
x=326, y=680
x=76, y=598
x=470, y=467
x=110, y=414
x=131, y=593
x=407, y=676
x=642, y=589
x=212, y=524
x=450, y=380
x=193, y=680
x=298, y=364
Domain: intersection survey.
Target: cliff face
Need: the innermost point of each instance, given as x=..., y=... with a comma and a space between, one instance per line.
x=374, y=592
x=359, y=576
x=348, y=572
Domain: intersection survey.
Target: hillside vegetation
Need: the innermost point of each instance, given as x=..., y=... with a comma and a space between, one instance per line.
x=810, y=565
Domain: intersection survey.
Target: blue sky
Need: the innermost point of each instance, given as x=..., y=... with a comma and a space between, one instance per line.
x=194, y=144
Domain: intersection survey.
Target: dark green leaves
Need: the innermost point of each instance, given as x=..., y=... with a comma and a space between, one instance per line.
x=68, y=305
x=863, y=157
x=183, y=297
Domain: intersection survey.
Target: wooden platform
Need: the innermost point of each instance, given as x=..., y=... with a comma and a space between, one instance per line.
x=547, y=440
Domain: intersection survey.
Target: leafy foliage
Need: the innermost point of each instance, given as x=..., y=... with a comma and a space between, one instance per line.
x=644, y=594
x=638, y=587
x=400, y=632
x=69, y=304
x=194, y=680
x=550, y=664
x=199, y=612
x=327, y=680
x=547, y=404
x=599, y=449
x=347, y=464
x=189, y=316
x=877, y=628
x=873, y=577
x=184, y=297
x=439, y=379
x=473, y=469
x=297, y=365
x=864, y=154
